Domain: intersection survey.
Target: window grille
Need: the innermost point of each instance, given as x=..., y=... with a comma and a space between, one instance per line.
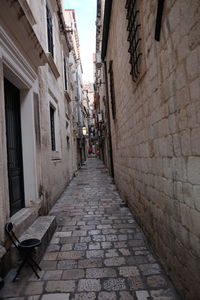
x=49, y=31
x=52, y=126
x=133, y=29
x=112, y=89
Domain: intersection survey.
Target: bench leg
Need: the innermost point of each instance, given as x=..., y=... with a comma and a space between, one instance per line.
x=19, y=269
x=31, y=265
x=34, y=262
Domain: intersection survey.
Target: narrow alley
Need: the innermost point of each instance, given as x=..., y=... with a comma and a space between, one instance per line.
x=100, y=149
x=97, y=251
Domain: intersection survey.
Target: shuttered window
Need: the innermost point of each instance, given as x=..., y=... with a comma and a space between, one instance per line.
x=52, y=126
x=112, y=89
x=37, y=120
x=49, y=31
x=65, y=74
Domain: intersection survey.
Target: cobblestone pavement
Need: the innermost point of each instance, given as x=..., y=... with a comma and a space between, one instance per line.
x=97, y=252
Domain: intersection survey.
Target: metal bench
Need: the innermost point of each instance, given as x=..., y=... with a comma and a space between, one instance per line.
x=26, y=248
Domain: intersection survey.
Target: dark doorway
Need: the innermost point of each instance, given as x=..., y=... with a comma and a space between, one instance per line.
x=14, y=147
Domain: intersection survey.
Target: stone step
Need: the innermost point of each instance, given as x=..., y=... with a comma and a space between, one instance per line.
x=43, y=228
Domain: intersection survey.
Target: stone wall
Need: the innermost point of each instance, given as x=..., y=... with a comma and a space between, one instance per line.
x=156, y=134
x=25, y=61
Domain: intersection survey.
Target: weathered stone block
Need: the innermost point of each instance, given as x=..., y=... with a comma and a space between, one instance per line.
x=100, y=272
x=196, y=195
x=59, y=296
x=114, y=284
x=60, y=286
x=107, y=296
x=185, y=142
x=142, y=295
x=193, y=170
x=70, y=255
x=73, y=274
x=195, y=141
x=89, y=285
x=116, y=261
x=128, y=271
x=192, y=64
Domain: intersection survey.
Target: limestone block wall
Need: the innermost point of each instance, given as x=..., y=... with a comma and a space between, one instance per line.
x=156, y=134
x=46, y=172
x=56, y=166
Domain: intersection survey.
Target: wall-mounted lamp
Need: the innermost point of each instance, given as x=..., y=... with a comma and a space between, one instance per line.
x=84, y=130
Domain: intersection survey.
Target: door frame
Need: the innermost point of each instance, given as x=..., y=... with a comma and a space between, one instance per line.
x=15, y=67
x=18, y=141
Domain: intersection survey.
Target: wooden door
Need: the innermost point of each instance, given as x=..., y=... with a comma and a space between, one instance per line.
x=14, y=147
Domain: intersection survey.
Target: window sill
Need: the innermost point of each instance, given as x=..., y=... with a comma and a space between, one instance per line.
x=56, y=156
x=52, y=65
x=56, y=159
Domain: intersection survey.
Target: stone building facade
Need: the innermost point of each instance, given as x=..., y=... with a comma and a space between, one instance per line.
x=152, y=68
x=101, y=104
x=38, y=152
x=76, y=85
x=89, y=105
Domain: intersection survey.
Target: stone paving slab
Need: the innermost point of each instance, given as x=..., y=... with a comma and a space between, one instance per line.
x=97, y=252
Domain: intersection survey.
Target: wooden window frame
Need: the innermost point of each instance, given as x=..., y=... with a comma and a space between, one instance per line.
x=65, y=75
x=49, y=31
x=52, y=127
x=112, y=89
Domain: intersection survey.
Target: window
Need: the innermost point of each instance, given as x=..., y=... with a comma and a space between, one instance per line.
x=52, y=126
x=37, y=120
x=159, y=19
x=134, y=39
x=65, y=74
x=49, y=30
x=112, y=90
